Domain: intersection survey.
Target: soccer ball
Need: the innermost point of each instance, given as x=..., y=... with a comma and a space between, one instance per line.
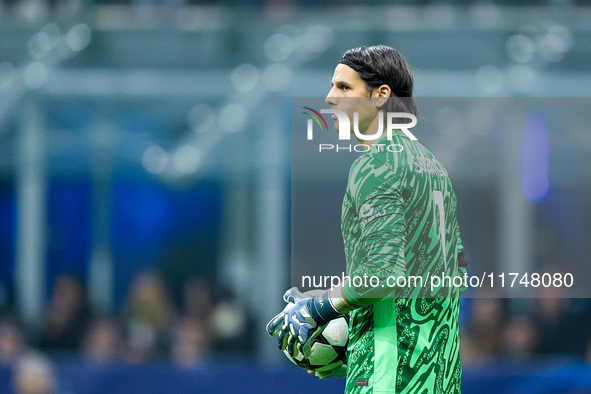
x=328, y=349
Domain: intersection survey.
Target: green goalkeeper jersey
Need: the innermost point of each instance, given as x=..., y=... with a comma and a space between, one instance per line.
x=400, y=229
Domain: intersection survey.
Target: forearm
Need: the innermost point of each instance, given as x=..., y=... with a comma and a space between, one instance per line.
x=334, y=302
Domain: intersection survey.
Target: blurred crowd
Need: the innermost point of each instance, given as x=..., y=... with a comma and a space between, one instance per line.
x=149, y=327
x=520, y=330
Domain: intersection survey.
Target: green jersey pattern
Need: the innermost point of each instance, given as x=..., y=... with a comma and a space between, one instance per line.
x=403, y=339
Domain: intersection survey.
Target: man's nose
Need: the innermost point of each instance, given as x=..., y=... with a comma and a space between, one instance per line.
x=330, y=100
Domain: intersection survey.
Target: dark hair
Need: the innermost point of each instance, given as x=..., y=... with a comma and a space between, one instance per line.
x=383, y=65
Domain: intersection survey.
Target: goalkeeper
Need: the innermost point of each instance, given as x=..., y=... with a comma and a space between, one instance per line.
x=398, y=219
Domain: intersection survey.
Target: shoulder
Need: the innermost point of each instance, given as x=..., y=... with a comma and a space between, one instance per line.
x=384, y=158
x=368, y=165
x=370, y=173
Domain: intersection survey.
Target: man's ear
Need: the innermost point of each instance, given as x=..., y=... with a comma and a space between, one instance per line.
x=382, y=93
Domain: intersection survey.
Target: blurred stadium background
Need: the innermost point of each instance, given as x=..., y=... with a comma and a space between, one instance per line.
x=144, y=237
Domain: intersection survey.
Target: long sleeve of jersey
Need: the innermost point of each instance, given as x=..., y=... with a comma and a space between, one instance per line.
x=377, y=206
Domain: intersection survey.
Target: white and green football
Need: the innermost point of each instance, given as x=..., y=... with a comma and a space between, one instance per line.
x=328, y=349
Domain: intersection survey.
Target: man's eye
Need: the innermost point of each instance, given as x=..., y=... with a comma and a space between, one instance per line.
x=345, y=88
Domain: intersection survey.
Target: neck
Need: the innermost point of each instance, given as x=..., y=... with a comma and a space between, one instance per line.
x=368, y=142
x=371, y=129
